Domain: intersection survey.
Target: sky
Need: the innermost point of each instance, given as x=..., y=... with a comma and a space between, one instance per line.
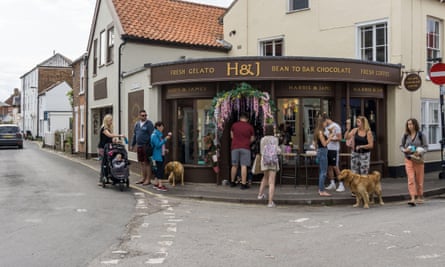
x=32, y=30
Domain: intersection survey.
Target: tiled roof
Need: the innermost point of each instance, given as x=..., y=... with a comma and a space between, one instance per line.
x=172, y=21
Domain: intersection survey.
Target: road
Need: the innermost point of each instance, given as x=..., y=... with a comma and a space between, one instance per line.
x=53, y=213
x=59, y=217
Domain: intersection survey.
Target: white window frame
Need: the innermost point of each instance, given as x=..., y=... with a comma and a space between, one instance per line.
x=290, y=6
x=103, y=47
x=82, y=79
x=110, y=44
x=438, y=36
x=359, y=27
x=271, y=39
x=428, y=120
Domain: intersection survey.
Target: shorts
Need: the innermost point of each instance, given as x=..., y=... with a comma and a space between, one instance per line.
x=241, y=156
x=332, y=158
x=142, y=157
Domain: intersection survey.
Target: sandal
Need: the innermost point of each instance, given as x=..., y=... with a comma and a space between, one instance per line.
x=140, y=182
x=324, y=194
x=412, y=203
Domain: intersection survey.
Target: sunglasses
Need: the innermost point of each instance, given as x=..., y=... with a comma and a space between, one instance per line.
x=145, y=115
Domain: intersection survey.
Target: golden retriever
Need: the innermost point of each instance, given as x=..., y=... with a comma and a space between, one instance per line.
x=363, y=186
x=175, y=172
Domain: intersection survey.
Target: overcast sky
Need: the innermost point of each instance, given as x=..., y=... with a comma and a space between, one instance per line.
x=33, y=29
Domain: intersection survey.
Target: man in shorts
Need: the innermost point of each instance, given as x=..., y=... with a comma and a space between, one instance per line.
x=141, y=138
x=242, y=134
x=333, y=153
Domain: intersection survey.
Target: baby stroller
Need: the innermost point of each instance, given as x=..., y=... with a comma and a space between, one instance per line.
x=115, y=168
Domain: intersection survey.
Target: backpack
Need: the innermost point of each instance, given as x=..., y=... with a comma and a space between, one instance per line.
x=270, y=155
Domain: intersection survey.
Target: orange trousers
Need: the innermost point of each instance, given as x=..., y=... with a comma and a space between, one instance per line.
x=416, y=174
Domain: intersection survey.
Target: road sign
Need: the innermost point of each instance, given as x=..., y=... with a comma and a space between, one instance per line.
x=437, y=73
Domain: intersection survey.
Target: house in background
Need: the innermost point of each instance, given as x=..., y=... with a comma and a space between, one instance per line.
x=13, y=113
x=5, y=113
x=54, y=69
x=55, y=110
x=127, y=34
x=79, y=105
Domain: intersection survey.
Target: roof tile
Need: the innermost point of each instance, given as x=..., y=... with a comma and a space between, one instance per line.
x=171, y=21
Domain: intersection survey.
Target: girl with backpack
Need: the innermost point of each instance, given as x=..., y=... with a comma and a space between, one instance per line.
x=269, y=150
x=414, y=145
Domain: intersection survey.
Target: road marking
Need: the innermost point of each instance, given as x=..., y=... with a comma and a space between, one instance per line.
x=425, y=257
x=109, y=262
x=81, y=210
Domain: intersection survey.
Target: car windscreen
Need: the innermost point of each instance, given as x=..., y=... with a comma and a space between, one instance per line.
x=9, y=129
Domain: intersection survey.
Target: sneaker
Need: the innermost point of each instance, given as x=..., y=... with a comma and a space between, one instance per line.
x=341, y=188
x=271, y=205
x=161, y=188
x=232, y=184
x=331, y=187
x=244, y=186
x=262, y=196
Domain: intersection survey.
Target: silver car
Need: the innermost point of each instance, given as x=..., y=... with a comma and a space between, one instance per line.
x=10, y=135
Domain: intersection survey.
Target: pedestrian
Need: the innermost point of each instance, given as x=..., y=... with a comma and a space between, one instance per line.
x=269, y=144
x=363, y=143
x=158, y=142
x=242, y=134
x=321, y=141
x=106, y=137
x=140, y=141
x=333, y=129
x=414, y=144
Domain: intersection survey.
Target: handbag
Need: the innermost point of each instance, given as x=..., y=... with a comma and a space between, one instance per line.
x=417, y=159
x=256, y=167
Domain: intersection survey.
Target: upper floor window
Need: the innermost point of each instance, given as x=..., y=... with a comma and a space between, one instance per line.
x=432, y=41
x=82, y=78
x=271, y=47
x=103, y=48
x=298, y=4
x=110, y=45
x=95, y=63
x=373, y=42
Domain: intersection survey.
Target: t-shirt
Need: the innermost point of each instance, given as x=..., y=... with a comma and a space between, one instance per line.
x=242, y=132
x=104, y=139
x=335, y=128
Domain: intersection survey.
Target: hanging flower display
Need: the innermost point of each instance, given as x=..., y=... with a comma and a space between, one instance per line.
x=228, y=105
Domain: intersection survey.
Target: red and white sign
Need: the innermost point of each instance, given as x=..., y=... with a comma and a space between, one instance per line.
x=437, y=73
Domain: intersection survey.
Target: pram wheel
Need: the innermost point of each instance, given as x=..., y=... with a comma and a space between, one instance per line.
x=128, y=183
x=121, y=187
x=104, y=182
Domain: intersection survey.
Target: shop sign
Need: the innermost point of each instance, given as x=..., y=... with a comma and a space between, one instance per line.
x=367, y=90
x=190, y=91
x=288, y=68
x=304, y=89
x=412, y=82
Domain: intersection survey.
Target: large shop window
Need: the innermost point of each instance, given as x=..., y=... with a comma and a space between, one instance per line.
x=297, y=118
x=193, y=131
x=431, y=122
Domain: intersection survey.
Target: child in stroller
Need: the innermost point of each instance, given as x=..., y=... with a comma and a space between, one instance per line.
x=115, y=165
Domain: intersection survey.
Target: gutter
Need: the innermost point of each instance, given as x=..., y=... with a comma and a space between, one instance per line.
x=85, y=62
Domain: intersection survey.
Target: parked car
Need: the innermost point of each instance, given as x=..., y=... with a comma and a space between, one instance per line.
x=10, y=135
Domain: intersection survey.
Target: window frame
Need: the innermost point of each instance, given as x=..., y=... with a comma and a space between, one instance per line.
x=291, y=4
x=438, y=37
x=373, y=24
x=95, y=62
x=425, y=122
x=262, y=42
x=102, y=48
x=110, y=45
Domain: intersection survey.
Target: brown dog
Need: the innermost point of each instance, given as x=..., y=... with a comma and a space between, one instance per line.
x=363, y=186
x=175, y=171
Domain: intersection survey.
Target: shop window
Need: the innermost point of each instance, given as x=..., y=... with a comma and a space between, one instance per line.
x=194, y=132
x=430, y=123
x=432, y=42
x=373, y=42
x=271, y=47
x=297, y=120
x=298, y=4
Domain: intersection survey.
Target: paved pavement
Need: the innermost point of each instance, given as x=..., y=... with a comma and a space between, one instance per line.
x=394, y=189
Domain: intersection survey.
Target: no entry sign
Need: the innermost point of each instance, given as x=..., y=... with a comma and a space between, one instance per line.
x=437, y=73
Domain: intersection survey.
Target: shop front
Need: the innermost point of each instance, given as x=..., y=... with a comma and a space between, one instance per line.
x=300, y=88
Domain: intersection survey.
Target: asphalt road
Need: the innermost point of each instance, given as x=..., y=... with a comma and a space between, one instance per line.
x=52, y=213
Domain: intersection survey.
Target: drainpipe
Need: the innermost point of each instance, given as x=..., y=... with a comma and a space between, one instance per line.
x=85, y=62
x=119, y=83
